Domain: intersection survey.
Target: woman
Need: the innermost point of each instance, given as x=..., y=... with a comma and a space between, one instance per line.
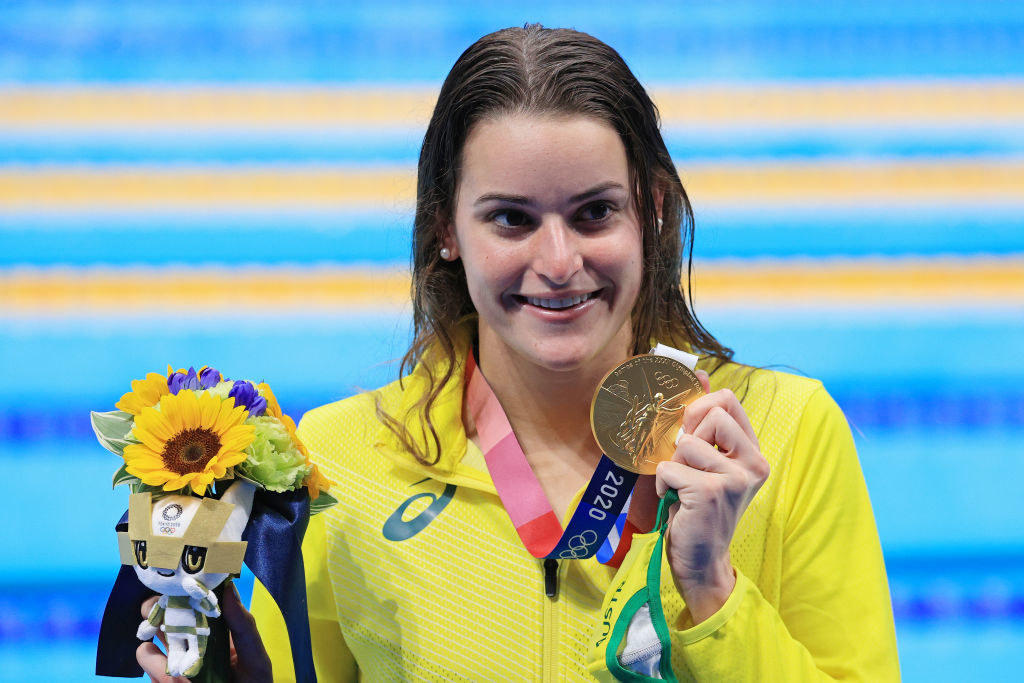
x=547, y=250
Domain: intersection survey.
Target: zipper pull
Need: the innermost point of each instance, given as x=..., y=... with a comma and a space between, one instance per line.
x=551, y=577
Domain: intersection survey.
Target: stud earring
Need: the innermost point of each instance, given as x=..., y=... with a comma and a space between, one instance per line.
x=660, y=223
x=446, y=253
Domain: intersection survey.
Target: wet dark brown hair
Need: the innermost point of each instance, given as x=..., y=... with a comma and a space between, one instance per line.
x=536, y=70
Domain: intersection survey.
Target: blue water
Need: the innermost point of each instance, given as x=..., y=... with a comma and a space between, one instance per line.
x=85, y=363
x=382, y=237
x=935, y=394
x=402, y=146
x=930, y=497
x=956, y=651
x=370, y=41
x=962, y=611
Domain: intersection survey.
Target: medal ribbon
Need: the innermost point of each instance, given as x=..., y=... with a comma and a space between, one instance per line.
x=524, y=499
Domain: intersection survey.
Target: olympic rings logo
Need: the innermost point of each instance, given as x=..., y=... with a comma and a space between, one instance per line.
x=172, y=512
x=579, y=545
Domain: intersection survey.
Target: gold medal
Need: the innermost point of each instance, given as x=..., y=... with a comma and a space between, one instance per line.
x=638, y=409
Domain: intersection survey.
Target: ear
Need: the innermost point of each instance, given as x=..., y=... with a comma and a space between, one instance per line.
x=449, y=242
x=659, y=200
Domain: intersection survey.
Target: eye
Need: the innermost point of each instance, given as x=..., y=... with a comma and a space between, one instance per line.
x=140, y=554
x=595, y=211
x=510, y=218
x=193, y=558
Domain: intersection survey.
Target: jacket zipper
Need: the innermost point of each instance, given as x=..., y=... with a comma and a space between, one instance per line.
x=551, y=577
x=549, y=654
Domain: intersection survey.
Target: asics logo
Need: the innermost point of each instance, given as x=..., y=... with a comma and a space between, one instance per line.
x=398, y=529
x=579, y=545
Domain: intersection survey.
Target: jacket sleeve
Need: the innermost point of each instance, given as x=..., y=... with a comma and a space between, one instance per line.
x=834, y=617
x=331, y=656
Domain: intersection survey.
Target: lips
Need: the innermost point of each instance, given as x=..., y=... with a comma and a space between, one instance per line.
x=558, y=303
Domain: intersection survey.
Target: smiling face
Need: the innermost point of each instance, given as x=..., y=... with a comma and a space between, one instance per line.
x=548, y=234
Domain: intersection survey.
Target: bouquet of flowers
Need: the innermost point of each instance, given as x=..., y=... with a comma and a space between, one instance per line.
x=186, y=430
x=217, y=474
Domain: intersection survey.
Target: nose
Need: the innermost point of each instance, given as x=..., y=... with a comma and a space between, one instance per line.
x=557, y=257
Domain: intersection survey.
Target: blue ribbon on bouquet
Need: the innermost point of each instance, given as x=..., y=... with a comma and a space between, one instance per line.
x=274, y=534
x=274, y=555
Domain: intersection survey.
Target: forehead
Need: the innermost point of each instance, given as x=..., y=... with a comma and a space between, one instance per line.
x=539, y=155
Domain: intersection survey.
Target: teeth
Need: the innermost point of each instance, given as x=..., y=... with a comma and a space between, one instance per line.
x=558, y=303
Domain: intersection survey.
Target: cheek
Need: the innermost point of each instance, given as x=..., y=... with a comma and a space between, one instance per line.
x=474, y=282
x=486, y=275
x=622, y=259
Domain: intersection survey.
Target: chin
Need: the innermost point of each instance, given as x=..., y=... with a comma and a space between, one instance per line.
x=564, y=356
x=561, y=364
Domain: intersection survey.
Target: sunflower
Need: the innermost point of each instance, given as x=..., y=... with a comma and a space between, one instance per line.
x=145, y=393
x=189, y=439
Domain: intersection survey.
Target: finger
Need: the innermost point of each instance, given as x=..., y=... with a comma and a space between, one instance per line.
x=147, y=606
x=704, y=379
x=672, y=511
x=697, y=453
x=705, y=383
x=154, y=663
x=681, y=477
x=719, y=429
x=742, y=464
x=245, y=638
x=725, y=399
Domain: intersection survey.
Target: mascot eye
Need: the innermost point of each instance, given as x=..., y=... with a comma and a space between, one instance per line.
x=193, y=558
x=140, y=554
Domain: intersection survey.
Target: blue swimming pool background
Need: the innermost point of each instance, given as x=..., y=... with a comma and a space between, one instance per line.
x=935, y=393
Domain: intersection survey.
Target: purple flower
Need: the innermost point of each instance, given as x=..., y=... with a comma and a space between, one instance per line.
x=245, y=394
x=183, y=380
x=208, y=378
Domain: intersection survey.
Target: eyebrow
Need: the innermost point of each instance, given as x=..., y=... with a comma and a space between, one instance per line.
x=526, y=201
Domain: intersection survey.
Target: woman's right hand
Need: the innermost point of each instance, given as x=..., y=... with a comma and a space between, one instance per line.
x=249, y=659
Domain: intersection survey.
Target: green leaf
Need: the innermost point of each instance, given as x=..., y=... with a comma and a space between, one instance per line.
x=322, y=502
x=122, y=477
x=241, y=474
x=112, y=430
x=139, y=487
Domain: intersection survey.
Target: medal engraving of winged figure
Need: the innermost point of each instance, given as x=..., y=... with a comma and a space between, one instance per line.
x=647, y=424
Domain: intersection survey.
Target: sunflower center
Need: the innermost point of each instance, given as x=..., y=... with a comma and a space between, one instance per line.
x=190, y=450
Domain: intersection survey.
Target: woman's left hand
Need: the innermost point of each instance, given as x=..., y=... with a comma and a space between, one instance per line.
x=716, y=470
x=249, y=659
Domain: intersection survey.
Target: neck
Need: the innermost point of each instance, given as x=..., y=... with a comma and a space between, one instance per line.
x=549, y=410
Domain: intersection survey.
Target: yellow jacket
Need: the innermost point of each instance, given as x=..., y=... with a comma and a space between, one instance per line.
x=418, y=572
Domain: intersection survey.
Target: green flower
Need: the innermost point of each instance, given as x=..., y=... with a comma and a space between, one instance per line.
x=274, y=461
x=221, y=389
